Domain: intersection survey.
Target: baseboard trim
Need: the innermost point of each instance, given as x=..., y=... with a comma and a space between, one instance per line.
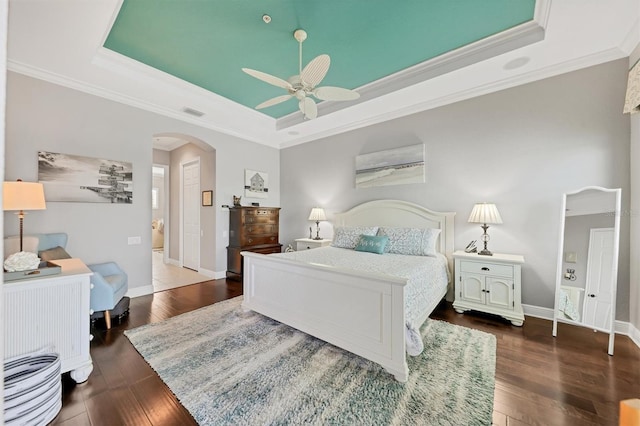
x=140, y=291
x=220, y=274
x=634, y=335
x=621, y=327
x=207, y=273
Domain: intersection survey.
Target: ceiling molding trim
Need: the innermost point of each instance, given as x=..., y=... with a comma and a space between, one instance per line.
x=632, y=39
x=138, y=71
x=536, y=75
x=542, y=12
x=101, y=92
x=497, y=44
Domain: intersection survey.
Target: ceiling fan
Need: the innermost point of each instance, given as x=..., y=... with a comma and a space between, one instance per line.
x=303, y=85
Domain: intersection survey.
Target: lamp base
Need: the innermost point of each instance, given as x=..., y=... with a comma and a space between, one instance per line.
x=485, y=252
x=317, y=238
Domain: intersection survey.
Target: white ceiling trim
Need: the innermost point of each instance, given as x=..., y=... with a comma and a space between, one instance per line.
x=91, y=89
x=539, y=74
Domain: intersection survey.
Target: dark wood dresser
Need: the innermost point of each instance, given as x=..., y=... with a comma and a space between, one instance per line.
x=251, y=229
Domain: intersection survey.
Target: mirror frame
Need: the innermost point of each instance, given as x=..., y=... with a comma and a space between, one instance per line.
x=560, y=269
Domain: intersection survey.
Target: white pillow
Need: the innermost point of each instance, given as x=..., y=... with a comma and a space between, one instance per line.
x=12, y=245
x=411, y=241
x=348, y=236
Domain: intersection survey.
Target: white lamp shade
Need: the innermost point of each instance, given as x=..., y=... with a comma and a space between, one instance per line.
x=317, y=214
x=485, y=213
x=23, y=196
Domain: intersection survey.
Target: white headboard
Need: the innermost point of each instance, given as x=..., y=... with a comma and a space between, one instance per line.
x=401, y=214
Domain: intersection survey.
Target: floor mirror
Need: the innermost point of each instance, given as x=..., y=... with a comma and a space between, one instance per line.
x=587, y=269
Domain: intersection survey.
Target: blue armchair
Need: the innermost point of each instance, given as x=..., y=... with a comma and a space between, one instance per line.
x=110, y=283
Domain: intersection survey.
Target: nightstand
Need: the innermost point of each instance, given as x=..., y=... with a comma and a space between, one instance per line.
x=310, y=243
x=489, y=284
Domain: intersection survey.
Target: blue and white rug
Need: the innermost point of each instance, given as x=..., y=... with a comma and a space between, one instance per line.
x=231, y=367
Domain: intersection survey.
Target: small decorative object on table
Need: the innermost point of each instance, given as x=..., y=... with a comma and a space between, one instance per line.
x=21, y=261
x=236, y=201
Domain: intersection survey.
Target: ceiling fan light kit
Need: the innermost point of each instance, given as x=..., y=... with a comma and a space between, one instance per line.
x=303, y=85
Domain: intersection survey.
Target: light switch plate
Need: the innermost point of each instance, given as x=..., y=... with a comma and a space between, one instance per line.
x=134, y=241
x=571, y=257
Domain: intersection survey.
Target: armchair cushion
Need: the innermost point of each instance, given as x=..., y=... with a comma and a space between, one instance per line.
x=110, y=283
x=53, y=254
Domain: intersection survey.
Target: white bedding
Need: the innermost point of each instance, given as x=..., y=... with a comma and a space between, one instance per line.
x=427, y=276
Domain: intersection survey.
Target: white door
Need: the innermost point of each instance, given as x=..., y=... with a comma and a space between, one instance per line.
x=191, y=215
x=598, y=299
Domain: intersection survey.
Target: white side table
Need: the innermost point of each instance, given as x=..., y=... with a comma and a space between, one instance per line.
x=310, y=243
x=491, y=284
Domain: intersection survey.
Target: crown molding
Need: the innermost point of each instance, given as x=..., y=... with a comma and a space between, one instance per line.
x=82, y=86
x=506, y=83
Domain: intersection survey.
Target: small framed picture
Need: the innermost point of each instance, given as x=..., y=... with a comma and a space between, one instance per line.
x=207, y=198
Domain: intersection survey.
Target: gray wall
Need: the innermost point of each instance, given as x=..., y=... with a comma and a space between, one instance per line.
x=44, y=116
x=520, y=148
x=634, y=213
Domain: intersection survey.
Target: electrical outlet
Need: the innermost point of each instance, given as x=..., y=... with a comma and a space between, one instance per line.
x=134, y=241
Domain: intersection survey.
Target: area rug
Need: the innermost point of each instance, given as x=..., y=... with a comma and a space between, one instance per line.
x=241, y=368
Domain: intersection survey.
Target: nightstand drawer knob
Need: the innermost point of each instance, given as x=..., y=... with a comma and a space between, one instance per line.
x=484, y=268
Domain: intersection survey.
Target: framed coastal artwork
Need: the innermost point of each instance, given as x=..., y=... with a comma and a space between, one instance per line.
x=391, y=167
x=256, y=184
x=74, y=178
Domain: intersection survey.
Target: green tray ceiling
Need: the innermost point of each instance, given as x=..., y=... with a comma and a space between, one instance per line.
x=208, y=42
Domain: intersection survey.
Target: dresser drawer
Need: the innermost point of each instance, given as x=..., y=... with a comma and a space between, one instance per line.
x=257, y=240
x=487, y=268
x=260, y=229
x=268, y=250
x=267, y=217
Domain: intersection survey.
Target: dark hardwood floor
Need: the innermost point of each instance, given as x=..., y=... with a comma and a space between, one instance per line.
x=540, y=380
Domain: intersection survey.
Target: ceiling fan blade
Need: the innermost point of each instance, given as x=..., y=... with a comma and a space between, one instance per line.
x=268, y=78
x=330, y=93
x=309, y=108
x=315, y=70
x=274, y=101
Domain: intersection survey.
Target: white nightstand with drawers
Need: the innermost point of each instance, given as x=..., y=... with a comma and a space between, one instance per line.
x=489, y=284
x=310, y=243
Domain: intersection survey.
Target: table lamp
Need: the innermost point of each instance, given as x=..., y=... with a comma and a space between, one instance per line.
x=22, y=196
x=317, y=214
x=485, y=213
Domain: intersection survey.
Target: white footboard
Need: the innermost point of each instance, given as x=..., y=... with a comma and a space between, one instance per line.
x=360, y=312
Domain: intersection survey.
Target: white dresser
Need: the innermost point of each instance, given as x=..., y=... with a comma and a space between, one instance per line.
x=51, y=311
x=310, y=243
x=491, y=284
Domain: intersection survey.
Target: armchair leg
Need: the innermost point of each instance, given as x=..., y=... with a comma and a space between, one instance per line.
x=107, y=319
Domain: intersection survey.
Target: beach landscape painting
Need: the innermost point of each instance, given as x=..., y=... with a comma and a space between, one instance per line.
x=85, y=179
x=391, y=167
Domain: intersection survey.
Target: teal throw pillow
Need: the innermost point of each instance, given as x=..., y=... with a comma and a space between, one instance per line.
x=372, y=243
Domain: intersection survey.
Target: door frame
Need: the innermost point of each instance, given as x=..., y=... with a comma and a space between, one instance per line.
x=182, y=167
x=166, y=211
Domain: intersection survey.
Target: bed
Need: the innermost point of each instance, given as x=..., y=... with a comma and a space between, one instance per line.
x=361, y=311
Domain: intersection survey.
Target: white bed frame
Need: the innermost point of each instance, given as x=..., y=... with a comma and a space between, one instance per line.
x=360, y=312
